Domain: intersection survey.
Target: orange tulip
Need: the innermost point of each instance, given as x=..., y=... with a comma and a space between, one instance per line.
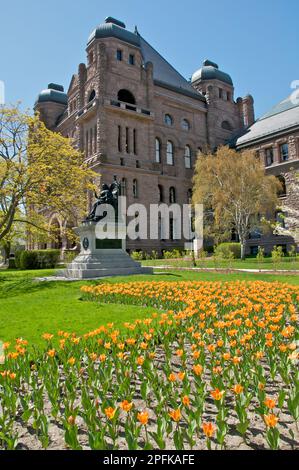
x=237, y=389
x=271, y=420
x=175, y=415
x=208, y=429
x=269, y=403
x=197, y=369
x=126, y=406
x=217, y=394
x=143, y=417
x=186, y=400
x=110, y=412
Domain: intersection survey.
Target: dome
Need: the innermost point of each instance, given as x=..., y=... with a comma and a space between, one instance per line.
x=114, y=28
x=210, y=71
x=54, y=93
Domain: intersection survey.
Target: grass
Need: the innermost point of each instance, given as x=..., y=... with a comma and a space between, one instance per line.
x=249, y=263
x=29, y=308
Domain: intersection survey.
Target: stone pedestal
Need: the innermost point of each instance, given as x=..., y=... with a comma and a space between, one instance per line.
x=102, y=256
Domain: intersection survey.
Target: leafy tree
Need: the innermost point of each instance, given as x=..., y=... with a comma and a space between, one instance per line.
x=234, y=188
x=41, y=173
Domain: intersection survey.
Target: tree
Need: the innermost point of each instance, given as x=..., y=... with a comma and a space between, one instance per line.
x=41, y=173
x=233, y=185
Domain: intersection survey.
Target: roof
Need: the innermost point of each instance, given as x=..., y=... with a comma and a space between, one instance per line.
x=114, y=30
x=210, y=71
x=54, y=93
x=164, y=74
x=283, y=116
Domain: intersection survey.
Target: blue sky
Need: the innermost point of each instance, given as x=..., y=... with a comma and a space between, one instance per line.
x=255, y=41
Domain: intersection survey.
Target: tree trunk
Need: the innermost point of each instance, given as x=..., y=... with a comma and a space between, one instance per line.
x=243, y=243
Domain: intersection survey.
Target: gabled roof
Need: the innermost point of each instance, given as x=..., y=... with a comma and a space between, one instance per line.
x=283, y=116
x=164, y=73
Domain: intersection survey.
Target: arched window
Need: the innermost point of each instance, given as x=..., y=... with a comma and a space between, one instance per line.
x=86, y=144
x=168, y=120
x=123, y=187
x=91, y=140
x=135, y=188
x=160, y=193
x=126, y=96
x=169, y=153
x=158, y=150
x=185, y=125
x=92, y=95
x=187, y=156
x=226, y=125
x=283, y=189
x=172, y=195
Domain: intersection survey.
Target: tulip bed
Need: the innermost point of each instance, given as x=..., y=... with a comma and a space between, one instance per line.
x=215, y=367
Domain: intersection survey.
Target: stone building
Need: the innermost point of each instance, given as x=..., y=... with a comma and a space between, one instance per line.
x=275, y=137
x=134, y=116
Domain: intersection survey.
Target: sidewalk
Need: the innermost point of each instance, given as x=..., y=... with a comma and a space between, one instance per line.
x=230, y=270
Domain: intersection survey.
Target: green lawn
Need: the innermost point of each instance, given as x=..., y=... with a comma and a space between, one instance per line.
x=29, y=308
x=249, y=263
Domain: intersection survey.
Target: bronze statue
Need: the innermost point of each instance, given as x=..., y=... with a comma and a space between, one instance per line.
x=108, y=195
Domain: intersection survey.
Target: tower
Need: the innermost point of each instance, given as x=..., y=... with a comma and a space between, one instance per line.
x=225, y=117
x=51, y=103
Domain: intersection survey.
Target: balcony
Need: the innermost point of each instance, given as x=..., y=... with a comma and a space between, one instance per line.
x=128, y=107
x=88, y=110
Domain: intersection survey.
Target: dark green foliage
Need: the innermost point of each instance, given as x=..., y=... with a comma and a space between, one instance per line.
x=39, y=259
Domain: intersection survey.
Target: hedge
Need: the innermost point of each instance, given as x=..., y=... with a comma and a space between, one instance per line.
x=38, y=259
x=226, y=248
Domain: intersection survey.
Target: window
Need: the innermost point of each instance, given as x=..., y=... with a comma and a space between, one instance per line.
x=269, y=157
x=172, y=195
x=86, y=143
x=284, y=152
x=283, y=189
x=189, y=196
x=228, y=96
x=220, y=92
x=92, y=96
x=119, y=146
x=168, y=120
x=160, y=193
x=137, y=164
x=123, y=187
x=127, y=140
x=131, y=59
x=171, y=228
x=95, y=139
x=185, y=125
x=158, y=150
x=226, y=125
x=135, y=141
x=90, y=57
x=126, y=96
x=135, y=189
x=169, y=153
x=187, y=156
x=119, y=54
x=90, y=143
